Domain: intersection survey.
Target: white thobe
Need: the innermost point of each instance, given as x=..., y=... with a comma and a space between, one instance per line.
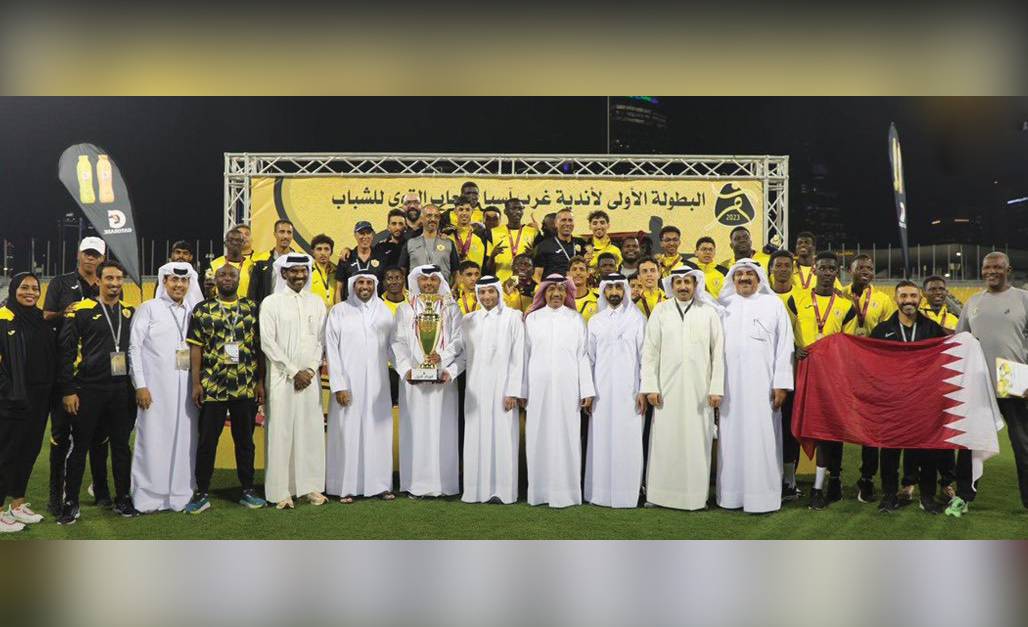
x=614, y=452
x=166, y=433
x=429, y=464
x=559, y=377
x=494, y=344
x=758, y=358
x=292, y=339
x=683, y=360
x=360, y=436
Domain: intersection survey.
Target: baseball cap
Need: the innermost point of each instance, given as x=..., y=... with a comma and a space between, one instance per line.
x=93, y=243
x=363, y=224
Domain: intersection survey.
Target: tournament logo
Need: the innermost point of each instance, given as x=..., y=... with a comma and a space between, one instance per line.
x=732, y=206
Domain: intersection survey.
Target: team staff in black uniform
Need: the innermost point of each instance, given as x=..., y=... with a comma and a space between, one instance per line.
x=553, y=254
x=64, y=291
x=908, y=324
x=363, y=258
x=95, y=387
x=28, y=363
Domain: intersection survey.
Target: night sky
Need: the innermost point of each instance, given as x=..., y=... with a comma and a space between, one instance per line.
x=960, y=154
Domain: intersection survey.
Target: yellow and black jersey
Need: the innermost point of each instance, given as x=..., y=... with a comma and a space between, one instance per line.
x=586, y=305
x=393, y=306
x=944, y=318
x=87, y=339
x=604, y=246
x=466, y=301
x=323, y=282
x=713, y=273
x=649, y=300
x=245, y=269
x=515, y=242
x=213, y=325
x=759, y=256
x=820, y=316
x=470, y=247
x=873, y=307
x=785, y=296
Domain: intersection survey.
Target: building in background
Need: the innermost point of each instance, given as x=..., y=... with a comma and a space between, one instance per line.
x=815, y=207
x=637, y=125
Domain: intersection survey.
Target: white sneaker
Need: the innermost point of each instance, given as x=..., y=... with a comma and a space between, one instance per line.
x=9, y=524
x=24, y=515
x=90, y=491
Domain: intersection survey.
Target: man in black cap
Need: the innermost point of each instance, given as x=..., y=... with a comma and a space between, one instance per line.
x=362, y=259
x=61, y=295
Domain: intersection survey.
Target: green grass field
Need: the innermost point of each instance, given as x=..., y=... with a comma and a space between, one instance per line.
x=996, y=514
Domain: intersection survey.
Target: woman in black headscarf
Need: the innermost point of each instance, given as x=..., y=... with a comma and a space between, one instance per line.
x=28, y=367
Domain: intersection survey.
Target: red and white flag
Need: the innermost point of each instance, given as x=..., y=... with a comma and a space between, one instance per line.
x=933, y=394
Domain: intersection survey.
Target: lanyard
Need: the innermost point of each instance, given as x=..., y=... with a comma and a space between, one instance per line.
x=682, y=312
x=115, y=336
x=913, y=332
x=565, y=250
x=464, y=299
x=235, y=316
x=180, y=326
x=323, y=278
x=357, y=262
x=810, y=275
x=821, y=322
x=862, y=312
x=515, y=244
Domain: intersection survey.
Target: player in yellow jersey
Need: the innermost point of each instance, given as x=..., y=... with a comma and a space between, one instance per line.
x=519, y=289
x=511, y=239
x=324, y=275
x=669, y=257
x=468, y=273
x=599, y=222
x=234, y=241
x=742, y=248
x=586, y=300
x=714, y=273
x=934, y=303
x=821, y=312
x=470, y=247
x=873, y=306
x=651, y=293
x=806, y=251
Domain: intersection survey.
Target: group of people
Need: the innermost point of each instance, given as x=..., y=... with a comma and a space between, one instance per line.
x=626, y=367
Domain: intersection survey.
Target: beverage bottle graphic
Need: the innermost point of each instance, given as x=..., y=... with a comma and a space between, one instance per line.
x=105, y=179
x=85, y=173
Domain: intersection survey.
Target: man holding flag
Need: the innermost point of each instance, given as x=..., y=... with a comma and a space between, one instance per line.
x=907, y=324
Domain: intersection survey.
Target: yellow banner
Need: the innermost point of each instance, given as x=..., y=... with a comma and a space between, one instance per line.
x=332, y=205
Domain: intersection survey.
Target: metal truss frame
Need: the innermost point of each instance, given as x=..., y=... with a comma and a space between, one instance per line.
x=772, y=170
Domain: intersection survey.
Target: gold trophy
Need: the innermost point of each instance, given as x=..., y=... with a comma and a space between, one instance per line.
x=427, y=324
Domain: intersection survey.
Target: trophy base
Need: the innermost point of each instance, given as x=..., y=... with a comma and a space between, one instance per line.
x=426, y=374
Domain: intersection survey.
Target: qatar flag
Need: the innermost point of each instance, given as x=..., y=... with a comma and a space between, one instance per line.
x=933, y=394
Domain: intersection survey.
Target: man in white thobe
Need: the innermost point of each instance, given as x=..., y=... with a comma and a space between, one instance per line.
x=614, y=453
x=292, y=339
x=683, y=376
x=494, y=344
x=428, y=410
x=360, y=415
x=560, y=385
x=166, y=423
x=758, y=373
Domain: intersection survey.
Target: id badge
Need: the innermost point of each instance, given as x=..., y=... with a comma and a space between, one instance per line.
x=119, y=364
x=182, y=359
x=232, y=352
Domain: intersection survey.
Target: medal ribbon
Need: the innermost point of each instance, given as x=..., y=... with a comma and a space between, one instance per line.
x=817, y=313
